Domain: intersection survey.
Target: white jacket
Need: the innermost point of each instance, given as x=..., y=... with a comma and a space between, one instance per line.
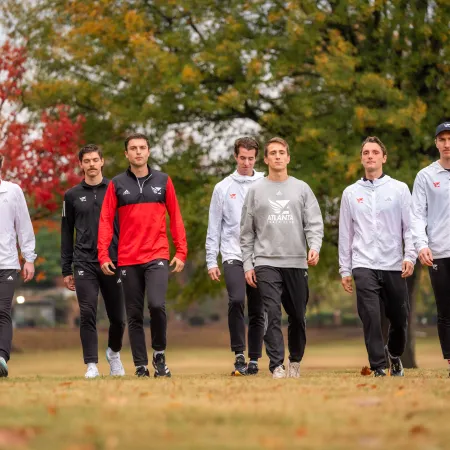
x=15, y=223
x=225, y=217
x=374, y=220
x=430, y=212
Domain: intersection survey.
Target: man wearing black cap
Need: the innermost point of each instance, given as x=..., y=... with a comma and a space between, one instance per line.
x=430, y=222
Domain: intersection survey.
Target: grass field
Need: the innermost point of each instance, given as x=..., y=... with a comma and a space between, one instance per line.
x=331, y=406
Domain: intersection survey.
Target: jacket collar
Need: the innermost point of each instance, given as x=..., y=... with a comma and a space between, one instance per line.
x=377, y=182
x=132, y=175
x=89, y=186
x=437, y=167
x=3, y=186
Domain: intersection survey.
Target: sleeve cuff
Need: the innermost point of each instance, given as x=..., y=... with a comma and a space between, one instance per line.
x=345, y=274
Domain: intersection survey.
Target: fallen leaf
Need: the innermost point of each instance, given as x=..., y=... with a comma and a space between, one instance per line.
x=361, y=385
x=66, y=383
x=399, y=393
x=418, y=429
x=51, y=409
x=365, y=371
x=17, y=436
x=144, y=394
x=301, y=432
x=374, y=386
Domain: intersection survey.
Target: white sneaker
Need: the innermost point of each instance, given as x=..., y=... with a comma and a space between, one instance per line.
x=279, y=372
x=92, y=371
x=115, y=364
x=294, y=370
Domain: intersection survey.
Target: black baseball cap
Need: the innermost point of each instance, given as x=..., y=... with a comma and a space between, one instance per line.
x=442, y=127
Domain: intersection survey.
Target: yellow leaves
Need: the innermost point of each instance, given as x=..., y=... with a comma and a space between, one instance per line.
x=255, y=67
x=231, y=98
x=133, y=21
x=190, y=75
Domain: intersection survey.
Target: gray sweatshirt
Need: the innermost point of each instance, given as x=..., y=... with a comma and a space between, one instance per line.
x=278, y=218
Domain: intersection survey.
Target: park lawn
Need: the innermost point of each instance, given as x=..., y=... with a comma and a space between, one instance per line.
x=46, y=404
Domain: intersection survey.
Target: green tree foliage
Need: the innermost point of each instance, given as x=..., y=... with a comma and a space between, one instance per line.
x=323, y=75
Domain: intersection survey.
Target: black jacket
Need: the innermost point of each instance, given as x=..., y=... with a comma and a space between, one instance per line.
x=81, y=212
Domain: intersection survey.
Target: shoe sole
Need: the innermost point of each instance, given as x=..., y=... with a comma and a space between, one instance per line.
x=169, y=375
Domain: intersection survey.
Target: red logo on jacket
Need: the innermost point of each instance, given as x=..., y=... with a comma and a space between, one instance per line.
x=360, y=200
x=233, y=195
x=437, y=183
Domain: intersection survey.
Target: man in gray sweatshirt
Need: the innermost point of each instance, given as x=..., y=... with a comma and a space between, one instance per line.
x=279, y=218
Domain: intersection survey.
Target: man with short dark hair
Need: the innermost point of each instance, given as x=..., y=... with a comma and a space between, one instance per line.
x=223, y=234
x=431, y=226
x=141, y=196
x=81, y=214
x=280, y=217
x=374, y=224
x=15, y=224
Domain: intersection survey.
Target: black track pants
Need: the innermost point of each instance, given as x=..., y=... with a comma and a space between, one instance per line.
x=89, y=279
x=373, y=287
x=152, y=277
x=8, y=280
x=287, y=287
x=440, y=280
x=237, y=289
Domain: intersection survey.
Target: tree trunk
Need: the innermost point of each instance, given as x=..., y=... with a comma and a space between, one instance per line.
x=409, y=355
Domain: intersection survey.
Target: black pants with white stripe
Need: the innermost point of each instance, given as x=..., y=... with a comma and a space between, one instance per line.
x=152, y=277
x=237, y=288
x=288, y=287
x=440, y=281
x=373, y=287
x=89, y=279
x=8, y=280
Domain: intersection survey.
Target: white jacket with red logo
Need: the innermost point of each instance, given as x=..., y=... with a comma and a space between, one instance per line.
x=374, y=224
x=15, y=224
x=225, y=217
x=430, y=218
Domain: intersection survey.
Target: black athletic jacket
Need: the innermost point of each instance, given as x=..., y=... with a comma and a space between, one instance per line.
x=81, y=212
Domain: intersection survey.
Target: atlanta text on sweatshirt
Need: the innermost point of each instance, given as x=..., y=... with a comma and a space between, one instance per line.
x=278, y=220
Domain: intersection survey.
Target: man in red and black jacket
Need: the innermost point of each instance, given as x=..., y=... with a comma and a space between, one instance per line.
x=142, y=195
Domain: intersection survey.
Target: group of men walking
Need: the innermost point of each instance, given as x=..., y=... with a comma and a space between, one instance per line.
x=268, y=229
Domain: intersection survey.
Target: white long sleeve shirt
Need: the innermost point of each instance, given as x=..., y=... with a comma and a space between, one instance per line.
x=373, y=224
x=15, y=224
x=225, y=217
x=430, y=212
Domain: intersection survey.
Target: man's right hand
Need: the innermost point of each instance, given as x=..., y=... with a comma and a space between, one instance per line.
x=426, y=257
x=106, y=268
x=347, y=284
x=69, y=282
x=214, y=273
x=250, y=278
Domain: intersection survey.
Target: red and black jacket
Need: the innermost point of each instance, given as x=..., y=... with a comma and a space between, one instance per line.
x=142, y=205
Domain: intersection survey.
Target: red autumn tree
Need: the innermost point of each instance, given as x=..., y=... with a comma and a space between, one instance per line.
x=41, y=157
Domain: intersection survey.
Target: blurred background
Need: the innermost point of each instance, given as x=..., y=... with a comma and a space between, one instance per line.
x=194, y=76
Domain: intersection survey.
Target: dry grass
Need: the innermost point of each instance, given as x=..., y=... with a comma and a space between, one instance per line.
x=332, y=406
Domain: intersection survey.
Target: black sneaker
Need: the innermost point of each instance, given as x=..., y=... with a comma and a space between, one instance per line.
x=142, y=371
x=3, y=368
x=240, y=366
x=252, y=368
x=379, y=372
x=159, y=363
x=395, y=365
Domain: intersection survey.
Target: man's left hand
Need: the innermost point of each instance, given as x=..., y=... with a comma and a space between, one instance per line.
x=313, y=258
x=407, y=269
x=28, y=271
x=179, y=265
